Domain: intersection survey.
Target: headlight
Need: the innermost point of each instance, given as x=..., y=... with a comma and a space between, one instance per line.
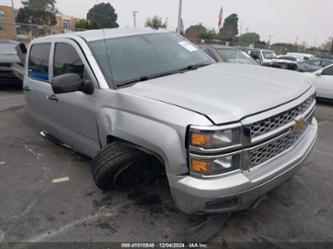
x=215, y=138
x=214, y=150
x=215, y=166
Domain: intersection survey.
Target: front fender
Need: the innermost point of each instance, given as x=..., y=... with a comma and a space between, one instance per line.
x=153, y=125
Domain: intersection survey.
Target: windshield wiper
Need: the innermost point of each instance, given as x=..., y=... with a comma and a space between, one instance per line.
x=154, y=76
x=193, y=67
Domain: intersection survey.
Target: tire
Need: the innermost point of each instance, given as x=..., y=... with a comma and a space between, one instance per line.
x=111, y=161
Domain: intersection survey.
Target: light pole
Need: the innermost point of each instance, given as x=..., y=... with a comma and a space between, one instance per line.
x=179, y=27
x=269, y=39
x=134, y=17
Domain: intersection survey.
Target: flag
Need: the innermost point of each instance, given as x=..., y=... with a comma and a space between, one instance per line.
x=220, y=19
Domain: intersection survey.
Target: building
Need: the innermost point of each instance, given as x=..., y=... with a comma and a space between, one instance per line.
x=7, y=23
x=65, y=23
x=194, y=33
x=26, y=32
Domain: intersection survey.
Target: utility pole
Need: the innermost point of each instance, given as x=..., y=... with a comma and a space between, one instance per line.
x=269, y=39
x=179, y=27
x=134, y=17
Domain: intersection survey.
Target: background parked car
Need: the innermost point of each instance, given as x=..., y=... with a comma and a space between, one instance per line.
x=285, y=62
x=301, y=56
x=8, y=57
x=323, y=79
x=270, y=59
x=227, y=54
x=313, y=65
x=263, y=56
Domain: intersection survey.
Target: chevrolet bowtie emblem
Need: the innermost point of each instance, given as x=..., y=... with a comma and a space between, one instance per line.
x=299, y=124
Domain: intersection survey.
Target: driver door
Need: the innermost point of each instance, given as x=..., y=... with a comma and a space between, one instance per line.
x=75, y=112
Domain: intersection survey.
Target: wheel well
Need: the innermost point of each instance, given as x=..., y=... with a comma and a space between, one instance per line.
x=110, y=139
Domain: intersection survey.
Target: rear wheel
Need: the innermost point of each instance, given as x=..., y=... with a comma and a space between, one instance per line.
x=111, y=162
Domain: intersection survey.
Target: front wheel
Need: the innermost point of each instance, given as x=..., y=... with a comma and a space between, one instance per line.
x=111, y=161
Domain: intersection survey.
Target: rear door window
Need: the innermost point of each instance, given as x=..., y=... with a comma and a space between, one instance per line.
x=67, y=60
x=39, y=61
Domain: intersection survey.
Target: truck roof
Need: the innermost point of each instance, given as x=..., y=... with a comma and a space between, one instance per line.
x=100, y=34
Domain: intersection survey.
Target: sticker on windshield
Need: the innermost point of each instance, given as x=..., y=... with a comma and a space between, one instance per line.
x=187, y=46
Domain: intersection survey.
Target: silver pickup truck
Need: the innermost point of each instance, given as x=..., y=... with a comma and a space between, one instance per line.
x=225, y=134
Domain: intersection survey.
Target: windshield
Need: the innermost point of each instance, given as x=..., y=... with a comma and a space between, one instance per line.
x=236, y=56
x=8, y=48
x=269, y=54
x=136, y=58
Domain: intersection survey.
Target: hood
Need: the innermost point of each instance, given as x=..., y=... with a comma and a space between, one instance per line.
x=225, y=92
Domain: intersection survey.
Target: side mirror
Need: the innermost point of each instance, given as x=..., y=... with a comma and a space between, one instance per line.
x=71, y=82
x=21, y=50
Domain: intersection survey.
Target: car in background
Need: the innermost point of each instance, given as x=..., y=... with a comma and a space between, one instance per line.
x=269, y=58
x=314, y=65
x=8, y=57
x=285, y=62
x=227, y=54
x=301, y=56
x=263, y=56
x=323, y=79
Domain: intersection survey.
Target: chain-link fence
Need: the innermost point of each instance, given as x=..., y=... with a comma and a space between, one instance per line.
x=23, y=32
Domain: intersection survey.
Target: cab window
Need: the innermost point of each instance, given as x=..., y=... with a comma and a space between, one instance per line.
x=39, y=61
x=67, y=60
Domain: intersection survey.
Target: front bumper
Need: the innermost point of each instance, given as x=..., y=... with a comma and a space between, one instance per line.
x=237, y=191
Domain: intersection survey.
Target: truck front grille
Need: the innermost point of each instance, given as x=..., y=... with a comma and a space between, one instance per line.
x=263, y=153
x=270, y=124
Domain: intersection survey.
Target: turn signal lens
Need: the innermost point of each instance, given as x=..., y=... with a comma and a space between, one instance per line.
x=201, y=166
x=207, y=138
x=201, y=139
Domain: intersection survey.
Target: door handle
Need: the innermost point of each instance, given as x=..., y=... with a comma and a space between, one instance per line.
x=52, y=97
x=26, y=88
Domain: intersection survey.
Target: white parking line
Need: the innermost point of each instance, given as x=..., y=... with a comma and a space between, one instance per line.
x=53, y=233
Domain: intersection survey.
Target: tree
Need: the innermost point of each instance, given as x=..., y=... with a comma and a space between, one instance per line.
x=37, y=12
x=210, y=35
x=103, y=15
x=249, y=38
x=328, y=45
x=85, y=24
x=45, y=5
x=36, y=17
x=156, y=22
x=230, y=26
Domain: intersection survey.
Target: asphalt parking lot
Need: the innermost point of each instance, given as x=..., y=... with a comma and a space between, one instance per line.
x=34, y=209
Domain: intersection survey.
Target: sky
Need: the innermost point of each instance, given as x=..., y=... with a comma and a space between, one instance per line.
x=285, y=20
